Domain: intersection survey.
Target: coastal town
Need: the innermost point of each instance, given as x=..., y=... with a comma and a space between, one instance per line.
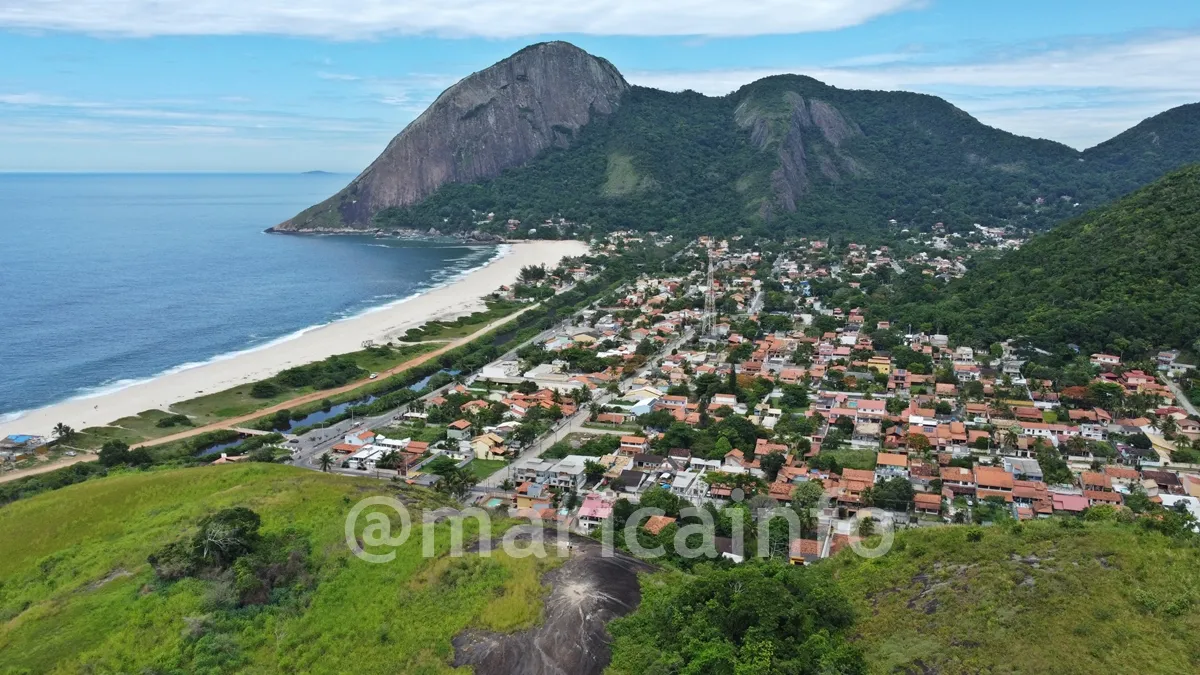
x=745, y=375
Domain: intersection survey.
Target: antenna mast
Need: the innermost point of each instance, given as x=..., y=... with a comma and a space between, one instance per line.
x=710, y=301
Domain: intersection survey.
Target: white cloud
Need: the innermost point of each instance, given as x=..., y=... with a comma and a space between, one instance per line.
x=339, y=77
x=1081, y=94
x=350, y=19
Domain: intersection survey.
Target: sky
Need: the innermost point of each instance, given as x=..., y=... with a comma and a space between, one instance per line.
x=298, y=85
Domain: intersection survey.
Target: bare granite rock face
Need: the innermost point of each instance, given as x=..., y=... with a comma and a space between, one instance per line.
x=587, y=592
x=491, y=120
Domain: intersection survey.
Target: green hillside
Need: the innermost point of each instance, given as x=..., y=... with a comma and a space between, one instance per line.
x=77, y=593
x=1122, y=278
x=789, y=153
x=1091, y=597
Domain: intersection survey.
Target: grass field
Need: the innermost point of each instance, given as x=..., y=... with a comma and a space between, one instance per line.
x=854, y=459
x=94, y=437
x=237, y=401
x=483, y=468
x=429, y=433
x=79, y=596
x=1042, y=598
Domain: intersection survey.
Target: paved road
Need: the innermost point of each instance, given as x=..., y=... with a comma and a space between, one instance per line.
x=1180, y=397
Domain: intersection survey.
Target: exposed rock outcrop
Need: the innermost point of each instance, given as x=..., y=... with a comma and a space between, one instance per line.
x=587, y=592
x=809, y=136
x=492, y=120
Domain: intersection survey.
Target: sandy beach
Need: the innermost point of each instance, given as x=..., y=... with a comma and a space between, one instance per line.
x=460, y=297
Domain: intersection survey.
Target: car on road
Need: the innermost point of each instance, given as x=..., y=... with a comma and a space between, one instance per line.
x=374, y=375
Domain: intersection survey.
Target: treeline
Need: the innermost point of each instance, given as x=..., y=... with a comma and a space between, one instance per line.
x=1120, y=279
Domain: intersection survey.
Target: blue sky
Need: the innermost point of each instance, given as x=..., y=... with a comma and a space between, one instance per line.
x=293, y=85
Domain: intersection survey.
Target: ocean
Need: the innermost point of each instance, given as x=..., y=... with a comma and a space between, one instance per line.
x=110, y=279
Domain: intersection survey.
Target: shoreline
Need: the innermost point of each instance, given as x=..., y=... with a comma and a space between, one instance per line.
x=502, y=250
x=462, y=295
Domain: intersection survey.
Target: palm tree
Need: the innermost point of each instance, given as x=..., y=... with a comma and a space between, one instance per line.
x=457, y=482
x=63, y=432
x=1011, y=438
x=326, y=461
x=1077, y=445
x=388, y=460
x=1168, y=425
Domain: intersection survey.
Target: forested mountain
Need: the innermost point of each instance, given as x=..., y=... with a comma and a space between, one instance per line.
x=553, y=131
x=1122, y=278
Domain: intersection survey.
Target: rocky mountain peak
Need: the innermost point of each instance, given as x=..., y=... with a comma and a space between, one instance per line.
x=491, y=120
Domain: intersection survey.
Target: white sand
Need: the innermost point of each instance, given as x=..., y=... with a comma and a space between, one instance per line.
x=339, y=337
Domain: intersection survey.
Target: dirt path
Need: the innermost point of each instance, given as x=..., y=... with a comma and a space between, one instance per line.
x=327, y=393
x=48, y=466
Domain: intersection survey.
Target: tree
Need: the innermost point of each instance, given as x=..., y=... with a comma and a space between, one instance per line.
x=895, y=494
x=594, y=471
x=264, y=389
x=114, y=453
x=227, y=535
x=456, y=482
x=63, y=432
x=723, y=447
x=807, y=497
x=917, y=443
x=1010, y=438
x=326, y=461
x=1168, y=425
x=749, y=619
x=661, y=498
x=772, y=463
x=866, y=527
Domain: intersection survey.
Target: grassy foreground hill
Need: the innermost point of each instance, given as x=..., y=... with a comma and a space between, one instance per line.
x=1121, y=278
x=77, y=593
x=1089, y=597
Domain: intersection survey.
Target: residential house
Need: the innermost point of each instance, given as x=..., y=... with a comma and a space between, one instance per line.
x=993, y=481
x=926, y=502
x=891, y=465
x=804, y=551
x=459, y=430
x=595, y=510
x=634, y=445
x=488, y=446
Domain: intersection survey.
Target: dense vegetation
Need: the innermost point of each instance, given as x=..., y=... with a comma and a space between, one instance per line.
x=1122, y=278
x=842, y=160
x=762, y=618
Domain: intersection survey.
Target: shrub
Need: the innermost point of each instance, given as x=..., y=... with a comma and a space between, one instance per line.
x=264, y=389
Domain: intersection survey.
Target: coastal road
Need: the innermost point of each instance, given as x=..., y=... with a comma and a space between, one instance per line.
x=327, y=393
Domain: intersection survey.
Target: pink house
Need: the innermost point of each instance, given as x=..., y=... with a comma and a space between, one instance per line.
x=595, y=510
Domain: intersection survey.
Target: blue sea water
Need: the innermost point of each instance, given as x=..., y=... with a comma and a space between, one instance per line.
x=107, y=279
